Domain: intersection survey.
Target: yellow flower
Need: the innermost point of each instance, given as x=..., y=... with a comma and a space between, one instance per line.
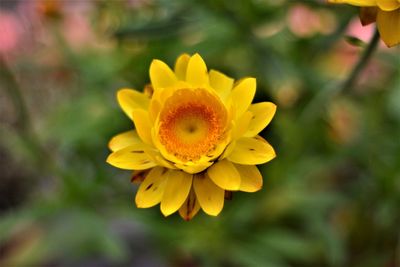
x=386, y=13
x=196, y=137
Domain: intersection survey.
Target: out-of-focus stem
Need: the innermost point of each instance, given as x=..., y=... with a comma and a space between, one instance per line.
x=362, y=62
x=332, y=89
x=23, y=121
x=12, y=90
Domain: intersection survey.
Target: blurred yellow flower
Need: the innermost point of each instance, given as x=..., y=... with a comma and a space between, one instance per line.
x=196, y=137
x=386, y=13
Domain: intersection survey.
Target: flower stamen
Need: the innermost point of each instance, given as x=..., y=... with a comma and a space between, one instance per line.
x=192, y=123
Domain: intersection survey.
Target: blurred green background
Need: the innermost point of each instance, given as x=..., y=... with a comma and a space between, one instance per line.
x=330, y=198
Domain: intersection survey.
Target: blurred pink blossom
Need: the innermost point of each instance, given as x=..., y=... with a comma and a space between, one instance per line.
x=10, y=32
x=76, y=27
x=305, y=22
x=77, y=31
x=363, y=33
x=302, y=20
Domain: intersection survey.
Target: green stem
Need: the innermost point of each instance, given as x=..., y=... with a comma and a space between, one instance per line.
x=362, y=62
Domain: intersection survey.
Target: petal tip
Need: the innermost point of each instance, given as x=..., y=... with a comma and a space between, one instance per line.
x=154, y=63
x=213, y=213
x=199, y=58
x=165, y=212
x=183, y=55
x=257, y=189
x=109, y=159
x=274, y=109
x=250, y=79
x=139, y=203
x=120, y=94
x=197, y=55
x=110, y=144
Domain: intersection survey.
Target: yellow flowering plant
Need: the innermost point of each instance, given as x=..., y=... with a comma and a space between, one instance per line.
x=195, y=138
x=386, y=13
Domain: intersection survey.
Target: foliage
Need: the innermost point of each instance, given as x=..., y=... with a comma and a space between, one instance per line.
x=330, y=198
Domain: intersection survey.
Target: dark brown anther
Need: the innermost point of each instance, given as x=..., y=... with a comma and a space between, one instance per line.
x=228, y=195
x=139, y=176
x=148, y=90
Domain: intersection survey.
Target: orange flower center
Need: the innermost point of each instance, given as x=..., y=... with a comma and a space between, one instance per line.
x=192, y=123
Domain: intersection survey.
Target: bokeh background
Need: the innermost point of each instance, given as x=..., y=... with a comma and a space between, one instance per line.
x=330, y=198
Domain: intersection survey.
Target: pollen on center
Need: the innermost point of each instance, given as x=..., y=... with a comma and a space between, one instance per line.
x=192, y=123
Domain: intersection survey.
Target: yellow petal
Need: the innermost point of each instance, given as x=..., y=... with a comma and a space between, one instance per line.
x=151, y=190
x=166, y=93
x=160, y=96
x=176, y=191
x=161, y=75
x=228, y=150
x=181, y=66
x=389, y=26
x=209, y=195
x=156, y=156
x=368, y=15
x=191, y=206
x=224, y=174
x=221, y=83
x=242, y=125
x=262, y=116
x=142, y=124
x=131, y=158
x=130, y=99
x=191, y=167
x=252, y=151
x=196, y=73
x=123, y=140
x=251, y=178
x=242, y=94
x=154, y=109
x=355, y=2
x=388, y=5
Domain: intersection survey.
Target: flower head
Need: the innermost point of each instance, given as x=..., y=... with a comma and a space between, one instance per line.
x=196, y=136
x=386, y=13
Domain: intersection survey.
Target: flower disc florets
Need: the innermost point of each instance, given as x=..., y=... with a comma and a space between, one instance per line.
x=192, y=123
